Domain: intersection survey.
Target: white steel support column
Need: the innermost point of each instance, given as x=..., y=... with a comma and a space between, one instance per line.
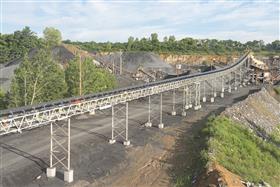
x=126, y=142
x=190, y=97
x=204, y=92
x=149, y=123
x=160, y=125
x=120, y=123
x=60, y=150
x=235, y=82
x=223, y=86
x=215, y=87
x=112, y=140
x=240, y=76
x=154, y=110
x=197, y=96
x=186, y=104
x=173, y=112
x=212, y=99
x=184, y=101
x=229, y=83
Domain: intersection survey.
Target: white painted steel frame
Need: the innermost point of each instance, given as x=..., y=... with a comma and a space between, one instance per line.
x=13, y=124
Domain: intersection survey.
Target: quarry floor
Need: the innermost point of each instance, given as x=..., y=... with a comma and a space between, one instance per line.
x=152, y=159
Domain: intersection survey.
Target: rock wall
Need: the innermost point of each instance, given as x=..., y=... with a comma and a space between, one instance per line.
x=197, y=59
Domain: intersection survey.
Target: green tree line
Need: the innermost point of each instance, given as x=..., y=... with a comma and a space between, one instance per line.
x=40, y=79
x=183, y=46
x=15, y=45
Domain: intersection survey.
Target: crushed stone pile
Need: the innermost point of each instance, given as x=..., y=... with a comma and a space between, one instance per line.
x=132, y=60
x=60, y=53
x=259, y=111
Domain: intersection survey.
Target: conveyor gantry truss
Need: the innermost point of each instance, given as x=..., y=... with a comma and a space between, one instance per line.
x=16, y=120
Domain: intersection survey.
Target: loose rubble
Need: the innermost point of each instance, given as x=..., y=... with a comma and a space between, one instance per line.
x=260, y=112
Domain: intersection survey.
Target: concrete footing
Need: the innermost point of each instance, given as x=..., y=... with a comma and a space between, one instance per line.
x=223, y=89
x=161, y=125
x=51, y=172
x=197, y=107
x=190, y=105
x=112, y=141
x=173, y=113
x=215, y=94
x=126, y=143
x=235, y=88
x=184, y=113
x=203, y=99
x=212, y=99
x=187, y=107
x=229, y=90
x=68, y=176
x=148, y=124
x=92, y=112
x=222, y=95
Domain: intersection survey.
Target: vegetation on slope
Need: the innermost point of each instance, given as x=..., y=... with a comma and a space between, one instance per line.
x=241, y=151
x=183, y=46
x=275, y=136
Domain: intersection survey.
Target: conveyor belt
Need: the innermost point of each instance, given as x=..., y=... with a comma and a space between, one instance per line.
x=17, y=119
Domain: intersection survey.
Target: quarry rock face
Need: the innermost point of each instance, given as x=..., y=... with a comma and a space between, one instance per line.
x=131, y=61
x=196, y=59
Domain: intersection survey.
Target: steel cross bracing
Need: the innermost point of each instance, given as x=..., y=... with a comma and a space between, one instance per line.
x=27, y=119
x=154, y=110
x=120, y=123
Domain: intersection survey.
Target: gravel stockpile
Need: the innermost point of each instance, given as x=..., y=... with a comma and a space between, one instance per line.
x=133, y=60
x=59, y=53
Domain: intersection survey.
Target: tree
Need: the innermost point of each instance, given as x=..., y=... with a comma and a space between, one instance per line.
x=276, y=45
x=52, y=36
x=130, y=43
x=13, y=46
x=38, y=79
x=93, y=79
x=154, y=37
x=155, y=42
x=3, y=100
x=172, y=38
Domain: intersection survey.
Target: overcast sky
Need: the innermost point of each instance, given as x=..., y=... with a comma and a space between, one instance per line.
x=108, y=20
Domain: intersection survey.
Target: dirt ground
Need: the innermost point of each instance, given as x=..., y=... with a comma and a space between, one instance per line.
x=217, y=175
x=171, y=154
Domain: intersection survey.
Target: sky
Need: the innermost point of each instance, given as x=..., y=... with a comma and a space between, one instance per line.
x=116, y=20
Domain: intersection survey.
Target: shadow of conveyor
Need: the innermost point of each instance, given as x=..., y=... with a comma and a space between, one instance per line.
x=38, y=161
x=98, y=135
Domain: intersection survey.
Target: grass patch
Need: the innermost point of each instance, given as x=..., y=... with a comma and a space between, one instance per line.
x=240, y=151
x=275, y=135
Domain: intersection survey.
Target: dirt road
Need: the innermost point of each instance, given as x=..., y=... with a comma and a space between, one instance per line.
x=24, y=157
